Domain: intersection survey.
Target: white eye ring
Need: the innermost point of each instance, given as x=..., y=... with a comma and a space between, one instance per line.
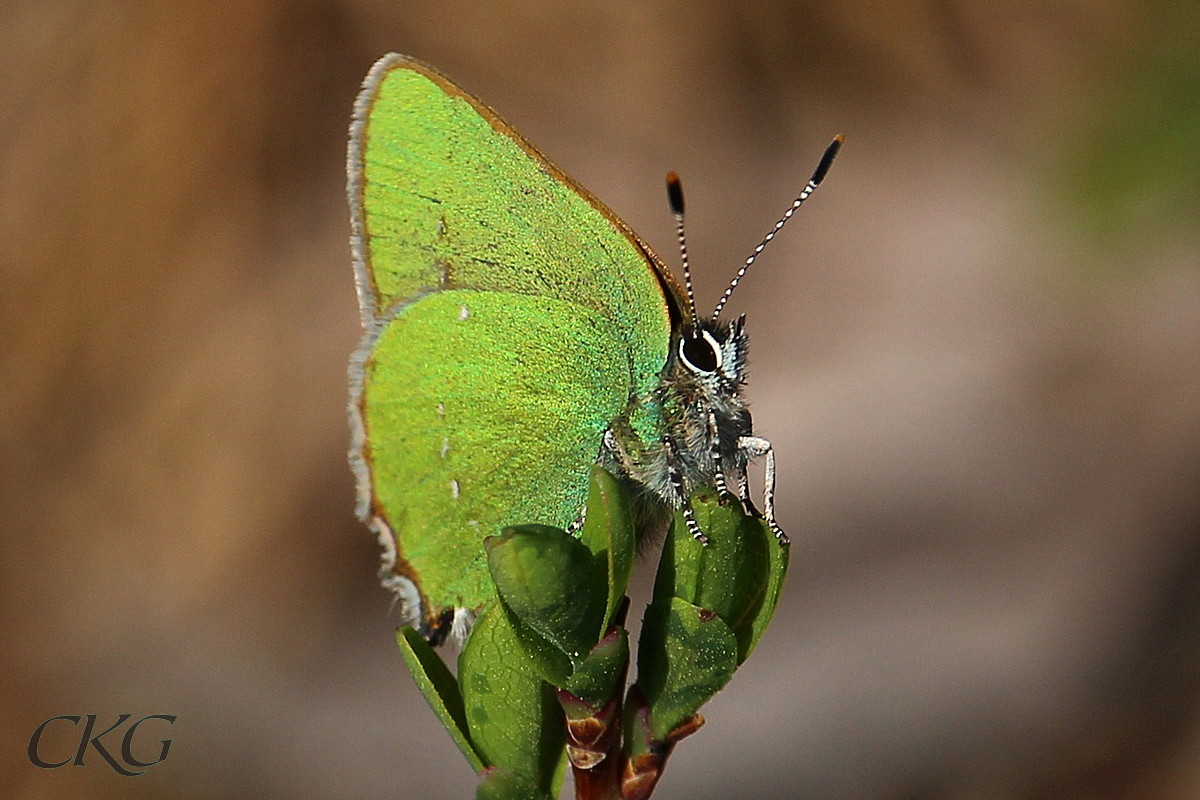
x=713, y=345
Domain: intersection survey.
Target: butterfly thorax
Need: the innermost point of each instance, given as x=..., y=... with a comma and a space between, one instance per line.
x=679, y=435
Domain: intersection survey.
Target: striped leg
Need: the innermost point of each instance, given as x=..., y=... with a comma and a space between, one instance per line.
x=714, y=438
x=689, y=516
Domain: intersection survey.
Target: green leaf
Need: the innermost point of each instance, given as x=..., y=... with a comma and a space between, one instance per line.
x=601, y=675
x=560, y=773
x=779, y=557
x=549, y=581
x=686, y=654
x=513, y=715
x=503, y=784
x=730, y=575
x=608, y=532
x=547, y=660
x=437, y=684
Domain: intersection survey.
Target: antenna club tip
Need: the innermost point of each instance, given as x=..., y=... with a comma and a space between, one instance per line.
x=831, y=152
x=675, y=193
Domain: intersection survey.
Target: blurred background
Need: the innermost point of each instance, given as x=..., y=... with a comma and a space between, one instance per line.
x=977, y=352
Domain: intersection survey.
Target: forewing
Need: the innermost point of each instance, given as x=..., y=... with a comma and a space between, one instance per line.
x=445, y=194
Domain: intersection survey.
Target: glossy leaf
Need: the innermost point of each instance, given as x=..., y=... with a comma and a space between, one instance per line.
x=608, y=532
x=551, y=583
x=686, y=654
x=545, y=658
x=777, y=572
x=601, y=675
x=503, y=784
x=729, y=575
x=513, y=715
x=440, y=690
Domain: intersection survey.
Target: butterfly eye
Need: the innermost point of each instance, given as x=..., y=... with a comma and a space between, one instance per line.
x=700, y=353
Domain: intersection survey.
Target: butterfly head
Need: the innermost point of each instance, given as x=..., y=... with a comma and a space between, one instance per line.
x=713, y=352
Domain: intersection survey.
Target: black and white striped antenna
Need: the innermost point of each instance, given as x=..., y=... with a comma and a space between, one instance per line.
x=818, y=175
x=675, y=196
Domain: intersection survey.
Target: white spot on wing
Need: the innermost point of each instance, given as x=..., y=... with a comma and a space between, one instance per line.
x=454, y=489
x=463, y=312
x=441, y=410
x=445, y=446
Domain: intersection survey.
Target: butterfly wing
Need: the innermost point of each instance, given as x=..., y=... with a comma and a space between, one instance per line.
x=509, y=317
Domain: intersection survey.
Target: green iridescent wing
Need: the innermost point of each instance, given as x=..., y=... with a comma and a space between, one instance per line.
x=509, y=317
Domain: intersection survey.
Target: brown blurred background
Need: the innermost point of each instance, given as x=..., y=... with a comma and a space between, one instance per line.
x=977, y=353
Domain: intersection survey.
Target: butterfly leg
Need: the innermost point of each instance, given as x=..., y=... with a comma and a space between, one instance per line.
x=743, y=494
x=714, y=438
x=676, y=475
x=463, y=619
x=743, y=488
x=724, y=495
x=754, y=446
x=610, y=451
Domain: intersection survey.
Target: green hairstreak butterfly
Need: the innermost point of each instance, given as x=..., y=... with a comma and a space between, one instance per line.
x=515, y=333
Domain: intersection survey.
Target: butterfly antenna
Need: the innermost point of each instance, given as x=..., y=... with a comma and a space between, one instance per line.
x=818, y=175
x=675, y=195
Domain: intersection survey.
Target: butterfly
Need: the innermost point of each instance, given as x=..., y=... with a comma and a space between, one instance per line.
x=516, y=332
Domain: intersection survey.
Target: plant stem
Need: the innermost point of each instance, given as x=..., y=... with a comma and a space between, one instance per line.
x=601, y=782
